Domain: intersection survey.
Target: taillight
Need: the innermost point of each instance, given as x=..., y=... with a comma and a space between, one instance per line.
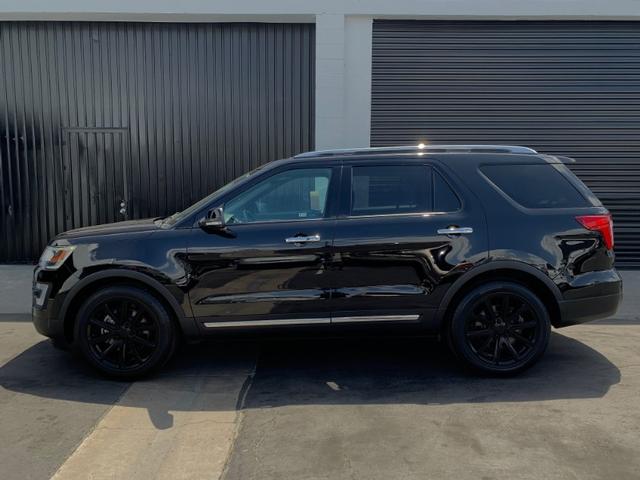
x=599, y=223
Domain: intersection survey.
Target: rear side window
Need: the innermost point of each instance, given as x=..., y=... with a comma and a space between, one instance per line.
x=444, y=198
x=381, y=189
x=535, y=186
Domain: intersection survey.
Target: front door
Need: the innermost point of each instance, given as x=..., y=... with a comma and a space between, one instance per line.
x=270, y=266
x=404, y=232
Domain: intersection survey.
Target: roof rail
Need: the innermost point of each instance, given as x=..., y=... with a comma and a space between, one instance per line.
x=565, y=159
x=419, y=148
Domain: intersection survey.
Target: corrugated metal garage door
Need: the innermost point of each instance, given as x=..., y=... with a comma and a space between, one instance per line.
x=155, y=116
x=570, y=88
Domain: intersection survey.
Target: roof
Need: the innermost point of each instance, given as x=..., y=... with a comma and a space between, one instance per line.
x=419, y=149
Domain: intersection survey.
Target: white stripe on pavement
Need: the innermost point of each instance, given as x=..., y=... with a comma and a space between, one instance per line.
x=178, y=427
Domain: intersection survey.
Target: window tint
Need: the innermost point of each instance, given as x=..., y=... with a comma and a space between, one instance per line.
x=444, y=198
x=535, y=186
x=291, y=195
x=377, y=190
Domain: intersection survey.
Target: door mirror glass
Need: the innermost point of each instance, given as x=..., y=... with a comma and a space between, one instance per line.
x=214, y=219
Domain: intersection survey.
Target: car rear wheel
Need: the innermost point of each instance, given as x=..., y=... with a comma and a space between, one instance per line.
x=124, y=332
x=500, y=328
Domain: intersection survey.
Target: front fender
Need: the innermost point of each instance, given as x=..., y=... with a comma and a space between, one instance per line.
x=183, y=315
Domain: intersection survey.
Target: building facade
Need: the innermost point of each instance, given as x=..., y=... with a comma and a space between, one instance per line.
x=127, y=110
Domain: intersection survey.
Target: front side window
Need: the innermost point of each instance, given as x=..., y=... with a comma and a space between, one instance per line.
x=178, y=216
x=297, y=194
x=386, y=190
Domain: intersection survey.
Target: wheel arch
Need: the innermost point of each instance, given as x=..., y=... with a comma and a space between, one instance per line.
x=111, y=277
x=524, y=274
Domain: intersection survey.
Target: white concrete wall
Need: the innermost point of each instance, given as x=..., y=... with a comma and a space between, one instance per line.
x=343, y=81
x=343, y=35
x=206, y=10
x=330, y=81
x=357, y=104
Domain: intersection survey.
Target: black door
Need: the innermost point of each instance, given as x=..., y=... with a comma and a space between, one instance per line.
x=96, y=178
x=270, y=266
x=403, y=234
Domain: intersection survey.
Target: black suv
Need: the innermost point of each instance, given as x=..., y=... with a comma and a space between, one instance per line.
x=487, y=246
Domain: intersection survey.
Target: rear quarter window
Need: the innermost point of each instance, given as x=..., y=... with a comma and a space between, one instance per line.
x=535, y=186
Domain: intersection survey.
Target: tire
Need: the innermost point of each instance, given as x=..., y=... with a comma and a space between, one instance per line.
x=124, y=332
x=499, y=328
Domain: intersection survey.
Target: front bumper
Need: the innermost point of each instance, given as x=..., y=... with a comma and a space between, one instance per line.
x=47, y=325
x=46, y=300
x=590, y=297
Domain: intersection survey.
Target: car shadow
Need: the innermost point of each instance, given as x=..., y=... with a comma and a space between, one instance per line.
x=414, y=371
x=323, y=372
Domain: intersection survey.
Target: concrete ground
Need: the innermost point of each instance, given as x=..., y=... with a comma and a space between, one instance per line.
x=15, y=291
x=372, y=409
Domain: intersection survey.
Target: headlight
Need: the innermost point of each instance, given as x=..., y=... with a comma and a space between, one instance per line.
x=53, y=257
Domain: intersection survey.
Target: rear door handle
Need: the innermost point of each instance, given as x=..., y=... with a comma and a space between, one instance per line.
x=303, y=239
x=452, y=230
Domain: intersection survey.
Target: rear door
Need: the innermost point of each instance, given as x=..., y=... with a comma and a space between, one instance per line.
x=405, y=231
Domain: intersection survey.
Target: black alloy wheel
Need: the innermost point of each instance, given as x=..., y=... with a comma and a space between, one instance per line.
x=500, y=327
x=125, y=332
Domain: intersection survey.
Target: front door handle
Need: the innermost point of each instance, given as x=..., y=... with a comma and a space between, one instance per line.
x=453, y=230
x=303, y=239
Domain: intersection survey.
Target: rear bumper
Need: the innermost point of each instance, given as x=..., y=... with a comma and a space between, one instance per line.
x=573, y=312
x=593, y=296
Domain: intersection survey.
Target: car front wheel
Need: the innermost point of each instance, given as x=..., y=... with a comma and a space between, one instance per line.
x=500, y=328
x=124, y=332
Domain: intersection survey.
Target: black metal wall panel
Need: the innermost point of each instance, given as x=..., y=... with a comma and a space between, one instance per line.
x=569, y=88
x=155, y=115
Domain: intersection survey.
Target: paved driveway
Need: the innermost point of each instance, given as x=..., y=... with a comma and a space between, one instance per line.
x=386, y=408
x=381, y=410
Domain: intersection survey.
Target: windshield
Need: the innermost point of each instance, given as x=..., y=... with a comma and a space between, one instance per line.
x=176, y=217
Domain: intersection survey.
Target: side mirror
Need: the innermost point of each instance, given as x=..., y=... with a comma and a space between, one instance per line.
x=214, y=219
